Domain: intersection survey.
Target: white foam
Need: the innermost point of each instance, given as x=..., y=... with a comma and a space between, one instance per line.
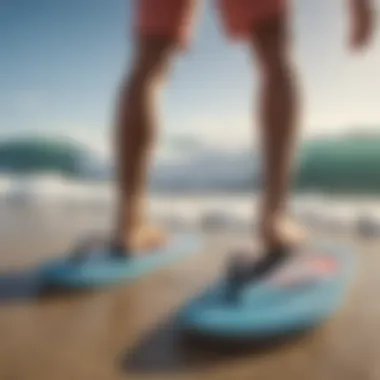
x=5, y=185
x=52, y=188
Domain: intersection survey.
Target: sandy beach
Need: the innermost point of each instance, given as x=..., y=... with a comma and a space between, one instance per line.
x=128, y=331
x=213, y=107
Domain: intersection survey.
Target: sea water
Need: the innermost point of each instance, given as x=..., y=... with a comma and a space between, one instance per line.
x=52, y=193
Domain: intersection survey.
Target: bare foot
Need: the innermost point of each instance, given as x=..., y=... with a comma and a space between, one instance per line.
x=276, y=232
x=147, y=238
x=279, y=231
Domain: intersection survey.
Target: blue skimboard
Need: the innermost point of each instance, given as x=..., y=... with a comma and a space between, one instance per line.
x=101, y=269
x=303, y=292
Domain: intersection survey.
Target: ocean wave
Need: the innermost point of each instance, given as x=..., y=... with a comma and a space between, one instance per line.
x=36, y=155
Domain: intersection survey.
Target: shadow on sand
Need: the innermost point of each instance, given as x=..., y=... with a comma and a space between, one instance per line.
x=167, y=349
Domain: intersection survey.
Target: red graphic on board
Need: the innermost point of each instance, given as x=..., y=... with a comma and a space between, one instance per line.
x=306, y=270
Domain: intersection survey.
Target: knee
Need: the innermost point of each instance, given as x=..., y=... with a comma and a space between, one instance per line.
x=145, y=73
x=272, y=47
x=278, y=66
x=151, y=64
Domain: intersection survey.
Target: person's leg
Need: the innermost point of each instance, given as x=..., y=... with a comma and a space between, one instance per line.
x=136, y=127
x=264, y=26
x=161, y=27
x=278, y=120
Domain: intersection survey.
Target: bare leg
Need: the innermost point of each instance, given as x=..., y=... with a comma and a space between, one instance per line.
x=137, y=121
x=279, y=127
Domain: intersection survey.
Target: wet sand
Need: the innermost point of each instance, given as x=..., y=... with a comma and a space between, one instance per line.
x=127, y=332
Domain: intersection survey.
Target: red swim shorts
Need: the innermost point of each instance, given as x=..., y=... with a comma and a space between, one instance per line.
x=175, y=18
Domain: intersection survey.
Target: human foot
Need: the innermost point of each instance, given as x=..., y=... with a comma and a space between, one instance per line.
x=142, y=239
x=278, y=231
x=279, y=237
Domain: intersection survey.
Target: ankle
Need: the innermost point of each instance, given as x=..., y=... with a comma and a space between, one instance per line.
x=270, y=216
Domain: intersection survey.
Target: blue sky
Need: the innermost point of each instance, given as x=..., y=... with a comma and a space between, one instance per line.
x=61, y=62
